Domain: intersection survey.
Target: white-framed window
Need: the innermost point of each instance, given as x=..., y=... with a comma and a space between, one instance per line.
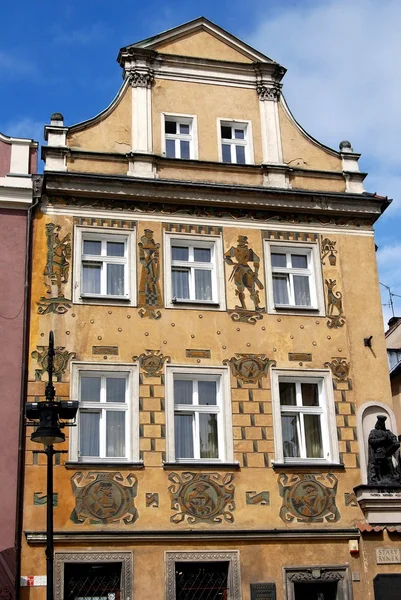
x=235, y=141
x=104, y=266
x=198, y=415
x=194, y=271
x=107, y=422
x=304, y=416
x=179, y=135
x=294, y=279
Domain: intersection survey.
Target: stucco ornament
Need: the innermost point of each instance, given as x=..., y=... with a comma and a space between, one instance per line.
x=268, y=92
x=149, y=296
x=335, y=311
x=56, y=272
x=202, y=497
x=249, y=368
x=308, y=498
x=60, y=361
x=141, y=78
x=340, y=369
x=104, y=498
x=328, y=249
x=152, y=362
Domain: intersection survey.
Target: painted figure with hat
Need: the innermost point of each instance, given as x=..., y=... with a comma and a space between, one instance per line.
x=244, y=277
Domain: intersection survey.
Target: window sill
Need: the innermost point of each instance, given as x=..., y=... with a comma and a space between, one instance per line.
x=104, y=297
x=307, y=466
x=104, y=465
x=296, y=308
x=194, y=302
x=201, y=465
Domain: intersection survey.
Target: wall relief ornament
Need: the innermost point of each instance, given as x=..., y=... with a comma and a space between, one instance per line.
x=149, y=295
x=335, y=311
x=139, y=78
x=207, y=497
x=308, y=498
x=245, y=279
x=104, y=498
x=249, y=368
x=268, y=92
x=152, y=362
x=340, y=369
x=56, y=272
x=328, y=249
x=60, y=361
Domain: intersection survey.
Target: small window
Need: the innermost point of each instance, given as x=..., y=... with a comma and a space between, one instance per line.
x=234, y=142
x=179, y=136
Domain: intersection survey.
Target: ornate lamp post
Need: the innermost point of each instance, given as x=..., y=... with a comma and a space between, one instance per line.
x=46, y=416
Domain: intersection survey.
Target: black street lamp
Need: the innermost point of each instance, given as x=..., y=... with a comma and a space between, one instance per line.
x=46, y=417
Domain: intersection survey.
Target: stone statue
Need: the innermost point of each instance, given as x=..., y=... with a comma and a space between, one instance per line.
x=383, y=444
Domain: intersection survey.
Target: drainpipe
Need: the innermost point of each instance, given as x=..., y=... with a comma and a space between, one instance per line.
x=37, y=183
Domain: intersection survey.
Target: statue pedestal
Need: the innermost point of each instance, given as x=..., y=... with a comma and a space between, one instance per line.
x=380, y=504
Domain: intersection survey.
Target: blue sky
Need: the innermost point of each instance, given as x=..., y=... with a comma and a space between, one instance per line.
x=343, y=79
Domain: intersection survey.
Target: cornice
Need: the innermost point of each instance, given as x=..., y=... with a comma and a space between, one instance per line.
x=15, y=197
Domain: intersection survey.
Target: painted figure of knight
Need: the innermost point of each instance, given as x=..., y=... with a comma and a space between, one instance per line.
x=244, y=277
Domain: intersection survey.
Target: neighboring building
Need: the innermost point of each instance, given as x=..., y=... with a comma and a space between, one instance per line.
x=209, y=272
x=393, y=344
x=18, y=161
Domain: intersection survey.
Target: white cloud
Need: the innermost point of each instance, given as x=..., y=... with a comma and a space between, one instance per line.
x=96, y=32
x=24, y=127
x=11, y=66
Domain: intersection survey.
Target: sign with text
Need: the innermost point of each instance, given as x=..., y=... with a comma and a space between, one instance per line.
x=388, y=556
x=263, y=591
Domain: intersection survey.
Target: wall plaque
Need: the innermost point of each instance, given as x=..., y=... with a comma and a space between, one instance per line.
x=263, y=591
x=388, y=556
x=105, y=350
x=190, y=353
x=299, y=356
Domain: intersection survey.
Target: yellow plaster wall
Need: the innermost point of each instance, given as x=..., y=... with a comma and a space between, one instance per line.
x=324, y=184
x=202, y=45
x=97, y=165
x=214, y=175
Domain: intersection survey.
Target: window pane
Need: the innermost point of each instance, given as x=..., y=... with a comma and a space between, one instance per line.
x=89, y=433
x=299, y=261
x=180, y=281
x=91, y=278
x=280, y=289
x=203, y=284
x=183, y=434
x=184, y=128
x=92, y=247
x=287, y=393
x=240, y=153
x=90, y=389
x=278, y=260
x=226, y=132
x=115, y=280
x=226, y=153
x=202, y=254
x=184, y=149
x=310, y=394
x=183, y=389
x=207, y=393
x=313, y=436
x=208, y=436
x=115, y=389
x=239, y=134
x=115, y=433
x=290, y=435
x=170, y=148
x=179, y=253
x=202, y=580
x=170, y=127
x=115, y=248
x=301, y=290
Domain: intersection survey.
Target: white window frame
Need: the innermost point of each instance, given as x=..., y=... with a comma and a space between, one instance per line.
x=207, y=241
x=192, y=137
x=326, y=409
x=223, y=410
x=247, y=142
x=311, y=250
x=132, y=402
x=105, y=234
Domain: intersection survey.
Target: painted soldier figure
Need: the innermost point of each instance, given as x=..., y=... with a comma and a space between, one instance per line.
x=244, y=277
x=149, y=258
x=58, y=255
x=383, y=444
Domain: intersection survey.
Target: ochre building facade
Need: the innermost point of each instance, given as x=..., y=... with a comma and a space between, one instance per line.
x=209, y=272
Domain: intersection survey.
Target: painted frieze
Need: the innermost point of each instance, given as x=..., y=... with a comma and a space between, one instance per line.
x=328, y=249
x=56, y=272
x=249, y=368
x=308, y=498
x=202, y=497
x=152, y=500
x=262, y=498
x=103, y=498
x=149, y=297
x=246, y=280
x=152, y=362
x=60, y=361
x=335, y=312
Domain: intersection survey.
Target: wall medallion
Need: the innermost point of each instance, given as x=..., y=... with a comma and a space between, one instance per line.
x=249, y=368
x=246, y=279
x=328, y=249
x=56, y=272
x=104, y=498
x=340, y=369
x=152, y=362
x=308, y=498
x=60, y=361
x=202, y=497
x=335, y=311
x=149, y=297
